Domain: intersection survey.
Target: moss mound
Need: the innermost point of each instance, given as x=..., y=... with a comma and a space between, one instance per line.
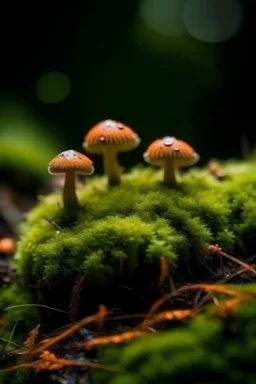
x=18, y=317
x=208, y=350
x=16, y=314
x=18, y=377
x=121, y=232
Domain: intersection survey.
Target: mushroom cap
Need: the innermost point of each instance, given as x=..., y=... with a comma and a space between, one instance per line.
x=7, y=245
x=71, y=160
x=213, y=166
x=170, y=148
x=110, y=133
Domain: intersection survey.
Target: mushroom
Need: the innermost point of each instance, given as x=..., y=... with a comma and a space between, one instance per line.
x=214, y=168
x=107, y=138
x=69, y=163
x=7, y=245
x=171, y=154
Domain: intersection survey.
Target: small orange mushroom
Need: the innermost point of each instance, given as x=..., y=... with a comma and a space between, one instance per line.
x=70, y=163
x=214, y=248
x=7, y=245
x=171, y=154
x=107, y=138
x=214, y=168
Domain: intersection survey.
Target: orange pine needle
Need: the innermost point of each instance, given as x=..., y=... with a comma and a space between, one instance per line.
x=102, y=313
x=48, y=361
x=217, y=288
x=114, y=339
x=164, y=274
x=223, y=309
x=168, y=315
x=242, y=263
x=246, y=269
x=82, y=323
x=218, y=250
x=163, y=270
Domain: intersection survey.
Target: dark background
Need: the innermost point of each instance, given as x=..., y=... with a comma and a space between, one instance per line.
x=208, y=101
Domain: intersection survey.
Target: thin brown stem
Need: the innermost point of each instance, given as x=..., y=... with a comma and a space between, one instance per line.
x=169, y=172
x=112, y=167
x=69, y=190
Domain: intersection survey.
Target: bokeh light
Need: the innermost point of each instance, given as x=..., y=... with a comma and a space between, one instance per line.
x=163, y=16
x=26, y=144
x=213, y=21
x=52, y=87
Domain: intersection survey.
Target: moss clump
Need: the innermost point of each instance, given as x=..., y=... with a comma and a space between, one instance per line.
x=16, y=297
x=15, y=324
x=208, y=350
x=119, y=230
x=16, y=377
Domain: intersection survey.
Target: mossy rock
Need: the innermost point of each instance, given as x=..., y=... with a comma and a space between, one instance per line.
x=118, y=235
x=210, y=349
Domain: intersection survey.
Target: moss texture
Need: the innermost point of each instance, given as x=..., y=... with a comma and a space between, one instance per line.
x=208, y=350
x=134, y=224
x=15, y=324
x=16, y=297
x=127, y=228
x=17, y=377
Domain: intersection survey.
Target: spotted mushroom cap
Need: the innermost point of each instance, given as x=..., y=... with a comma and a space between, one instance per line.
x=71, y=160
x=171, y=148
x=110, y=133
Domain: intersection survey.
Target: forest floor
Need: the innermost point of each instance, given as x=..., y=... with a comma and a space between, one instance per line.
x=105, y=328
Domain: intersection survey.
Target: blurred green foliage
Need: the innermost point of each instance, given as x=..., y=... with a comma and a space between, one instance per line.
x=26, y=146
x=209, y=349
x=25, y=316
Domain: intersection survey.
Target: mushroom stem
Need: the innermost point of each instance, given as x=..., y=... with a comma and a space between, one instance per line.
x=111, y=167
x=169, y=173
x=69, y=190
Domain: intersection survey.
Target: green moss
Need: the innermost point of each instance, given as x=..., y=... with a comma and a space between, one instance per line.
x=208, y=350
x=25, y=317
x=16, y=377
x=116, y=230
x=15, y=324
